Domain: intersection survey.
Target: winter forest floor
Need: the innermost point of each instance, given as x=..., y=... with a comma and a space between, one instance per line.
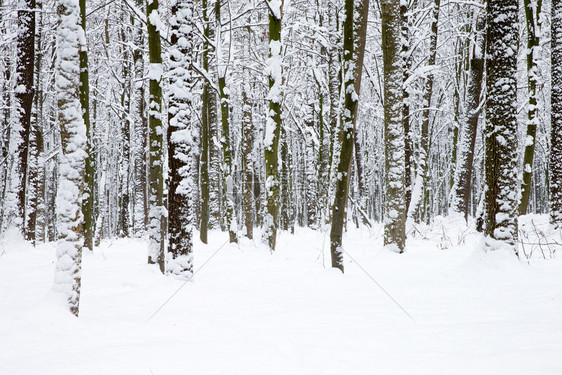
x=251, y=312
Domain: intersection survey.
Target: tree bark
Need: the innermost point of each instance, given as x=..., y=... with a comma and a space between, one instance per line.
x=353, y=52
x=462, y=183
x=501, y=201
x=533, y=39
x=273, y=123
x=25, y=91
x=72, y=160
x=205, y=130
x=88, y=204
x=395, y=203
x=418, y=206
x=227, y=170
x=157, y=211
x=555, y=161
x=181, y=158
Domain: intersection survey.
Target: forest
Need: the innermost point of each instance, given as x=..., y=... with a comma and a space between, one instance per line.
x=171, y=120
x=280, y=186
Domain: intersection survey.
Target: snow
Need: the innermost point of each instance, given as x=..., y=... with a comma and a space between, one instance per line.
x=276, y=6
x=155, y=71
x=155, y=20
x=248, y=311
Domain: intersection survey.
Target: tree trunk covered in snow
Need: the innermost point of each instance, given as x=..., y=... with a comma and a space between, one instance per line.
x=360, y=30
x=311, y=169
x=532, y=16
x=419, y=204
x=405, y=27
x=247, y=143
x=88, y=204
x=462, y=182
x=24, y=100
x=248, y=164
x=555, y=161
x=334, y=87
x=125, y=120
x=501, y=197
x=395, y=205
x=353, y=52
x=157, y=211
x=140, y=126
x=205, y=128
x=124, y=197
x=70, y=37
x=287, y=216
x=181, y=158
x=323, y=147
x=273, y=122
x=227, y=153
x=4, y=149
x=36, y=218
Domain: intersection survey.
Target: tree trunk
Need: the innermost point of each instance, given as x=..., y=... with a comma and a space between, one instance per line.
x=227, y=169
x=418, y=209
x=353, y=52
x=533, y=38
x=395, y=205
x=72, y=160
x=125, y=163
x=88, y=204
x=501, y=201
x=36, y=221
x=248, y=144
x=140, y=125
x=273, y=122
x=462, y=183
x=205, y=131
x=25, y=67
x=405, y=29
x=157, y=211
x=181, y=159
x=555, y=161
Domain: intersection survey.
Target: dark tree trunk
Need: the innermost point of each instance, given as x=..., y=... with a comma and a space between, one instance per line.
x=555, y=161
x=395, y=204
x=25, y=91
x=353, y=52
x=157, y=219
x=532, y=22
x=501, y=200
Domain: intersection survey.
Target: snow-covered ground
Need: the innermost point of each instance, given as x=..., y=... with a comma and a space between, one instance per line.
x=251, y=312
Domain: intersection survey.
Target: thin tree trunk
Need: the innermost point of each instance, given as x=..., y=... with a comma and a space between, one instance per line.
x=157, y=212
x=533, y=38
x=205, y=131
x=124, y=196
x=395, y=202
x=273, y=123
x=353, y=52
x=227, y=169
x=417, y=209
x=140, y=127
x=555, y=161
x=248, y=144
x=25, y=91
x=462, y=184
x=36, y=222
x=88, y=204
x=407, y=60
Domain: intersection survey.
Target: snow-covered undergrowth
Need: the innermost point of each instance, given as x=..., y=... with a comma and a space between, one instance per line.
x=251, y=312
